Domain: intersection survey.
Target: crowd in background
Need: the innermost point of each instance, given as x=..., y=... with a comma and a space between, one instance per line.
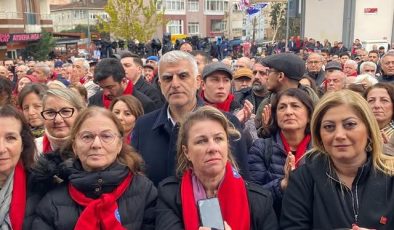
x=297, y=137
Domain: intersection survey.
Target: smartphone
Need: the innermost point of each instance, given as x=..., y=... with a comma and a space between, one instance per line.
x=210, y=213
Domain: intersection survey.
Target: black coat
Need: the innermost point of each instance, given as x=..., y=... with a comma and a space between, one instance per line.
x=57, y=210
x=169, y=207
x=315, y=199
x=155, y=138
x=154, y=94
x=248, y=94
x=146, y=102
x=34, y=194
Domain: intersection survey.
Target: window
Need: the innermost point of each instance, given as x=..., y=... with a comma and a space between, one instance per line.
x=30, y=15
x=175, y=27
x=159, y=5
x=217, y=26
x=214, y=5
x=175, y=5
x=193, y=5
x=193, y=28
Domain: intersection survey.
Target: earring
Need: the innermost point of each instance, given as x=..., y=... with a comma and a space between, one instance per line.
x=368, y=148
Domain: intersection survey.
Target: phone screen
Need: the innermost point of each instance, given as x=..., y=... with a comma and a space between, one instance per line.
x=210, y=213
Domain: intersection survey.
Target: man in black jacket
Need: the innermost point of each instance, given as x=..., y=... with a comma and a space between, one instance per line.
x=132, y=64
x=155, y=134
x=110, y=76
x=387, y=63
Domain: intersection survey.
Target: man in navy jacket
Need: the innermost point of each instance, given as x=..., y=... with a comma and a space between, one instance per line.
x=155, y=134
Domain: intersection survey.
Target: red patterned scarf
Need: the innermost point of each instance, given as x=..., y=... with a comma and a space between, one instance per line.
x=101, y=213
x=233, y=200
x=301, y=148
x=127, y=91
x=18, y=200
x=223, y=106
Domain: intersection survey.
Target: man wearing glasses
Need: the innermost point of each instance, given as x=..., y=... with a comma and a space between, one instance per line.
x=314, y=67
x=387, y=64
x=285, y=71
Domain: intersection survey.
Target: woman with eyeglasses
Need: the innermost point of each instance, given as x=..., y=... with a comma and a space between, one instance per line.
x=103, y=187
x=60, y=108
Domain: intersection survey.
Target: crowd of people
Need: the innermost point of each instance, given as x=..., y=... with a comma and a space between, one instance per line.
x=294, y=140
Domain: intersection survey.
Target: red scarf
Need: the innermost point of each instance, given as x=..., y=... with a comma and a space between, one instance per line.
x=301, y=148
x=232, y=197
x=101, y=213
x=46, y=146
x=223, y=106
x=18, y=200
x=127, y=91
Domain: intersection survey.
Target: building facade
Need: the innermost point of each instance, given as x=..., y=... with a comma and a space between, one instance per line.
x=338, y=20
x=22, y=21
x=193, y=17
x=68, y=16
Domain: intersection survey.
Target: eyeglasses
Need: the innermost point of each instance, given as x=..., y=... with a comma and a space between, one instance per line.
x=313, y=62
x=51, y=114
x=105, y=136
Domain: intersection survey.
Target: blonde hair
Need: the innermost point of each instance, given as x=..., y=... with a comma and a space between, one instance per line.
x=380, y=161
x=202, y=114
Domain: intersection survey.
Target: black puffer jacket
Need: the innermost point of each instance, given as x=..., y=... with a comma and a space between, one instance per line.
x=136, y=206
x=169, y=207
x=267, y=159
x=316, y=199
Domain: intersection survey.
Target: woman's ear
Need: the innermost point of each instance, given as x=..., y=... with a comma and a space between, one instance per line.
x=184, y=151
x=74, y=148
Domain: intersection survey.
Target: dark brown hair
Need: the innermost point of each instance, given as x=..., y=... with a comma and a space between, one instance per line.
x=132, y=103
x=28, y=144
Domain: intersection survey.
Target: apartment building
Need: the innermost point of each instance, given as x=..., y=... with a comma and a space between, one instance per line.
x=204, y=18
x=21, y=22
x=67, y=16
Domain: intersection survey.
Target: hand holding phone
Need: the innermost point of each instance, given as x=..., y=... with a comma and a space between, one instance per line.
x=210, y=213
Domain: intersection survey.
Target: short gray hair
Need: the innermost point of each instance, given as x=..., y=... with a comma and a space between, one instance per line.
x=367, y=63
x=176, y=56
x=65, y=94
x=351, y=62
x=316, y=54
x=44, y=67
x=369, y=78
x=85, y=63
x=389, y=53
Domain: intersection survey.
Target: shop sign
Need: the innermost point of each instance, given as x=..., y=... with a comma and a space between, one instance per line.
x=6, y=37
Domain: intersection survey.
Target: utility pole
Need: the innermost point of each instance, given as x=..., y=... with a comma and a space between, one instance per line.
x=88, y=41
x=287, y=25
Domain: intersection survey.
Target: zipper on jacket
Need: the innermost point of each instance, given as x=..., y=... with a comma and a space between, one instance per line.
x=355, y=203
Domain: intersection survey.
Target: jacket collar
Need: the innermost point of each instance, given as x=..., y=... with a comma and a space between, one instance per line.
x=362, y=172
x=138, y=85
x=163, y=119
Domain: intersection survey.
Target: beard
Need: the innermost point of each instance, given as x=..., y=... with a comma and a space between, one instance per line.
x=259, y=88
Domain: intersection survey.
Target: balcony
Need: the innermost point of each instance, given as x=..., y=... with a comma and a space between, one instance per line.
x=32, y=28
x=11, y=15
x=27, y=22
